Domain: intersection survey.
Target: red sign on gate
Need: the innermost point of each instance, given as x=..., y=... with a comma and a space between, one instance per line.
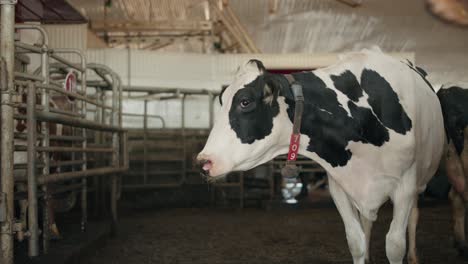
x=70, y=84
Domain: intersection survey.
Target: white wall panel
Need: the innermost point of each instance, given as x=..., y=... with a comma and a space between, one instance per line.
x=67, y=36
x=197, y=71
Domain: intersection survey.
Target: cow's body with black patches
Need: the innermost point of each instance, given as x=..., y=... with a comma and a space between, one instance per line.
x=370, y=121
x=454, y=100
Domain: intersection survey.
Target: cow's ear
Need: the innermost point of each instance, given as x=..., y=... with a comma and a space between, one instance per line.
x=271, y=88
x=220, y=97
x=256, y=63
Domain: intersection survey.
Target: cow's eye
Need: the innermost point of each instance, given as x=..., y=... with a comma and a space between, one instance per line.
x=244, y=103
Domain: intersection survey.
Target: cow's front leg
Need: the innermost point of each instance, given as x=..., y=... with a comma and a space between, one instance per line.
x=354, y=233
x=367, y=227
x=395, y=242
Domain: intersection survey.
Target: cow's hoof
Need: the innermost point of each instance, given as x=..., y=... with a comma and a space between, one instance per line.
x=462, y=248
x=463, y=251
x=413, y=260
x=370, y=261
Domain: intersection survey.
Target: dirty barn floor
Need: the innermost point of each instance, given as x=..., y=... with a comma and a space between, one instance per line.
x=312, y=235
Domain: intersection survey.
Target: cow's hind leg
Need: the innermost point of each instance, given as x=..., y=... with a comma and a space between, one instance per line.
x=395, y=243
x=354, y=233
x=413, y=222
x=458, y=218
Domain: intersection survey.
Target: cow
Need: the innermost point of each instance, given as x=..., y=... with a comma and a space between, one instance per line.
x=373, y=122
x=453, y=99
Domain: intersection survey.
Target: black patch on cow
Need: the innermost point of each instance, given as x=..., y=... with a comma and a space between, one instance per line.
x=220, y=97
x=347, y=83
x=421, y=72
x=384, y=102
x=409, y=63
x=453, y=101
x=370, y=128
x=329, y=126
x=255, y=121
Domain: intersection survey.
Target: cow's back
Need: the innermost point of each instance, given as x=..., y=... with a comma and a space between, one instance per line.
x=404, y=102
x=418, y=126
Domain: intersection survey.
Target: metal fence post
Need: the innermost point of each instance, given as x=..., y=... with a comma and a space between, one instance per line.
x=84, y=166
x=33, y=225
x=6, y=170
x=145, y=139
x=45, y=143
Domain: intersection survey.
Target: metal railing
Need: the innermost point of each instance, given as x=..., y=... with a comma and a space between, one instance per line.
x=81, y=161
x=148, y=145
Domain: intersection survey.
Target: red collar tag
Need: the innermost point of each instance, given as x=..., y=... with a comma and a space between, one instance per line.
x=294, y=147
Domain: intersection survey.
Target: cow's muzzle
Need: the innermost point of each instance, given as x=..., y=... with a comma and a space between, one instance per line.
x=205, y=166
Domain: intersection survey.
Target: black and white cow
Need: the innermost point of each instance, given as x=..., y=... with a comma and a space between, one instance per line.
x=372, y=122
x=454, y=102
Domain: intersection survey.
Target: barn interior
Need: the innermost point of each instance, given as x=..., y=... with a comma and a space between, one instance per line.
x=107, y=103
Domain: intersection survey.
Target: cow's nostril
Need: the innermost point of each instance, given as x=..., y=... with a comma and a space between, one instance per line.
x=205, y=165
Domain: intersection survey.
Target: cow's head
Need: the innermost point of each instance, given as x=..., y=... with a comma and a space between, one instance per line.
x=252, y=126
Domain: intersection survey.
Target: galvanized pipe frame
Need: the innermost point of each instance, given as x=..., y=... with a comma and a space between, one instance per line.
x=33, y=221
x=82, y=69
x=116, y=120
x=46, y=116
x=7, y=9
x=185, y=92
x=163, y=122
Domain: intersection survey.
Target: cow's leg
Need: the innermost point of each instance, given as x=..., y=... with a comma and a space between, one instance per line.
x=367, y=228
x=458, y=218
x=395, y=243
x=454, y=169
x=413, y=222
x=354, y=233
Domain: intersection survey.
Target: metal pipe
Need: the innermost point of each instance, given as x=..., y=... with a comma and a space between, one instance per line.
x=58, y=89
x=6, y=153
x=45, y=139
x=51, y=109
x=163, y=122
x=145, y=138
x=22, y=166
x=70, y=121
x=74, y=149
x=51, y=137
x=33, y=223
x=27, y=76
x=45, y=36
x=167, y=90
x=28, y=47
x=125, y=150
x=65, y=61
x=66, y=176
x=184, y=143
x=115, y=161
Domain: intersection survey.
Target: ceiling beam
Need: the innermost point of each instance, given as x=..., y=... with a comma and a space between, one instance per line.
x=174, y=25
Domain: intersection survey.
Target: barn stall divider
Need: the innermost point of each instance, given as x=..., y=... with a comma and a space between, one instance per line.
x=59, y=128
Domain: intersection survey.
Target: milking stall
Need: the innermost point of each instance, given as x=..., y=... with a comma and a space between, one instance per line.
x=233, y=131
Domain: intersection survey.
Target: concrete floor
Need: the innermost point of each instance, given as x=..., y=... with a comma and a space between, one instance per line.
x=311, y=235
